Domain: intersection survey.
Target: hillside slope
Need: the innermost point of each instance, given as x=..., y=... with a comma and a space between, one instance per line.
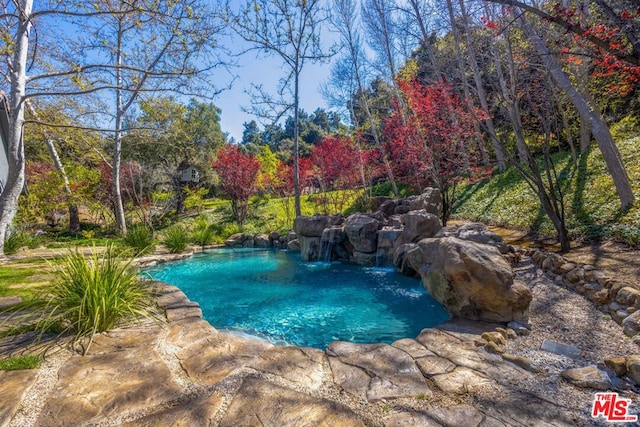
x=592, y=207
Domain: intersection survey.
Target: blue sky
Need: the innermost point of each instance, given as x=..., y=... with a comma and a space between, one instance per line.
x=266, y=71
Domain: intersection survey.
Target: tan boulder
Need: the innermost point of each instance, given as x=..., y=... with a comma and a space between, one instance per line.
x=588, y=377
x=617, y=364
x=472, y=280
x=633, y=368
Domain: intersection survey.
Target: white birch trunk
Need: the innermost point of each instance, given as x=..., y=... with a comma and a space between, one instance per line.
x=15, y=152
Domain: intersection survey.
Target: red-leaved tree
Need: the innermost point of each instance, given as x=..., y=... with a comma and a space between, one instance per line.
x=336, y=166
x=336, y=163
x=238, y=174
x=431, y=141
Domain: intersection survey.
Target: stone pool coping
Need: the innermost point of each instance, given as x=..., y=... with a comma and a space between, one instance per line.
x=181, y=370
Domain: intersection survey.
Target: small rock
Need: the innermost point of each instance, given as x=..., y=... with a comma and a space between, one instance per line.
x=576, y=275
x=480, y=342
x=601, y=297
x=633, y=368
x=521, y=361
x=615, y=288
x=502, y=331
x=631, y=324
x=592, y=287
x=519, y=328
x=588, y=377
x=617, y=365
x=511, y=334
x=620, y=315
x=294, y=245
x=492, y=347
x=565, y=268
x=494, y=337
x=627, y=296
x=561, y=349
x=595, y=276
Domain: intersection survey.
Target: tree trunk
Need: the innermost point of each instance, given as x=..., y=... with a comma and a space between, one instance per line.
x=74, y=219
x=118, y=208
x=15, y=152
x=296, y=149
x=591, y=115
x=585, y=135
x=179, y=190
x=482, y=97
x=512, y=108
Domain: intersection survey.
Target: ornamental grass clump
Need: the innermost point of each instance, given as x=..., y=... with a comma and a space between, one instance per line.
x=90, y=295
x=139, y=237
x=203, y=233
x=176, y=239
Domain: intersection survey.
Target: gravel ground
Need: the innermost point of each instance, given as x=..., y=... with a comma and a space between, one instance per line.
x=564, y=316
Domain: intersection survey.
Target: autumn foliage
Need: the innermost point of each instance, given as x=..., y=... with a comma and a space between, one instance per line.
x=336, y=161
x=431, y=141
x=238, y=174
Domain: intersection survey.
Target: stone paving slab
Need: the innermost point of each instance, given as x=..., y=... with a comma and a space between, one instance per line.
x=122, y=373
x=13, y=386
x=296, y=364
x=200, y=411
x=212, y=359
x=392, y=372
x=260, y=403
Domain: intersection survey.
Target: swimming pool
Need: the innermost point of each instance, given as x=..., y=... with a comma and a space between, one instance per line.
x=274, y=295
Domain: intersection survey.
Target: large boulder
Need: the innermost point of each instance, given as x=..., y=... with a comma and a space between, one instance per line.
x=408, y=259
x=362, y=232
x=262, y=241
x=311, y=226
x=388, y=208
x=430, y=200
x=478, y=232
x=472, y=280
x=239, y=240
x=419, y=225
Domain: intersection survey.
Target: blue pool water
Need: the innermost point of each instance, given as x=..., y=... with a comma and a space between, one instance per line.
x=274, y=295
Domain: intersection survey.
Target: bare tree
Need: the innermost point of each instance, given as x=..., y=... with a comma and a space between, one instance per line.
x=589, y=113
x=350, y=72
x=121, y=50
x=290, y=30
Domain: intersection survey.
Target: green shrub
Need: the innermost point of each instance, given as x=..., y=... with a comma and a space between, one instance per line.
x=176, y=239
x=140, y=238
x=203, y=232
x=29, y=361
x=230, y=230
